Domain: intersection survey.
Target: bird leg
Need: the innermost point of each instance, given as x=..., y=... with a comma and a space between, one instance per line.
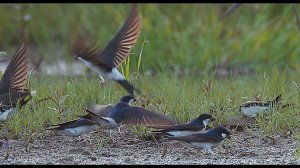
x=102, y=81
x=209, y=151
x=165, y=149
x=109, y=132
x=78, y=138
x=119, y=131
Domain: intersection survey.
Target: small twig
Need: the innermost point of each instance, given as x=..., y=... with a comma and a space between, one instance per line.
x=232, y=8
x=165, y=150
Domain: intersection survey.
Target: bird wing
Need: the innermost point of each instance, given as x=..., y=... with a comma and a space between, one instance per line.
x=12, y=98
x=99, y=110
x=72, y=124
x=200, y=137
x=15, y=76
x=118, y=48
x=140, y=116
x=177, y=127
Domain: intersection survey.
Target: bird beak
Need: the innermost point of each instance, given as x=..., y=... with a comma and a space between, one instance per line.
x=213, y=119
x=134, y=99
x=76, y=57
x=228, y=136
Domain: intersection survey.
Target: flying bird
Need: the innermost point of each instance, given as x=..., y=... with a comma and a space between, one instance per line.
x=105, y=61
x=13, y=84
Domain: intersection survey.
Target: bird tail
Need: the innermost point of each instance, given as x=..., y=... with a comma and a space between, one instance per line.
x=54, y=127
x=129, y=87
x=276, y=100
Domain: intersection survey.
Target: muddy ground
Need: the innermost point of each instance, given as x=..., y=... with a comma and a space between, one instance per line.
x=247, y=147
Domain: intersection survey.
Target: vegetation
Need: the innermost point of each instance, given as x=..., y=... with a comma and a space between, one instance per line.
x=180, y=46
x=194, y=36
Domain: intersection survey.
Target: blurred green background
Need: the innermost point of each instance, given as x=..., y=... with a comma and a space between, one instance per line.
x=188, y=36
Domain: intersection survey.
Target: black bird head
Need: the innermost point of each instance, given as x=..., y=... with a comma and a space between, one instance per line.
x=128, y=99
x=222, y=130
x=202, y=118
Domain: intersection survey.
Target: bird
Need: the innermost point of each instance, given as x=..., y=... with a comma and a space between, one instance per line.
x=105, y=61
x=207, y=140
x=112, y=116
x=75, y=127
x=13, y=84
x=197, y=125
x=252, y=108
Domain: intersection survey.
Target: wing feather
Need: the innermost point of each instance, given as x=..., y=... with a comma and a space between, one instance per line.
x=15, y=76
x=118, y=48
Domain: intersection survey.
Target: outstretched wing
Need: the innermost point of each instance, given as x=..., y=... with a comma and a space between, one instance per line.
x=99, y=110
x=118, y=49
x=140, y=116
x=15, y=76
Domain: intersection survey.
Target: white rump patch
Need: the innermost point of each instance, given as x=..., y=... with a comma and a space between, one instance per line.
x=4, y=115
x=203, y=145
x=110, y=124
x=92, y=66
x=79, y=130
x=115, y=74
x=252, y=111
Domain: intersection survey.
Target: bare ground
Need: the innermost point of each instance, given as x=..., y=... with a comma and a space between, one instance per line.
x=247, y=147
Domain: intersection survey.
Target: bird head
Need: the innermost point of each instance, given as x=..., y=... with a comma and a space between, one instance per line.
x=128, y=99
x=223, y=131
x=203, y=118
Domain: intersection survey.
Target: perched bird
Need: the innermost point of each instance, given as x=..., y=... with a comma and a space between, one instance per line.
x=13, y=84
x=110, y=117
x=252, y=108
x=104, y=62
x=76, y=127
x=208, y=140
x=197, y=125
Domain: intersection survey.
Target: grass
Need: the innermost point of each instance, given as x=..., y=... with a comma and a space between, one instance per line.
x=180, y=44
x=187, y=35
x=182, y=98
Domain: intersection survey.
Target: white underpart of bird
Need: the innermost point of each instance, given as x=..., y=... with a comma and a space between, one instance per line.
x=114, y=74
x=92, y=66
x=77, y=131
x=253, y=110
x=203, y=145
x=4, y=115
x=111, y=123
x=183, y=133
